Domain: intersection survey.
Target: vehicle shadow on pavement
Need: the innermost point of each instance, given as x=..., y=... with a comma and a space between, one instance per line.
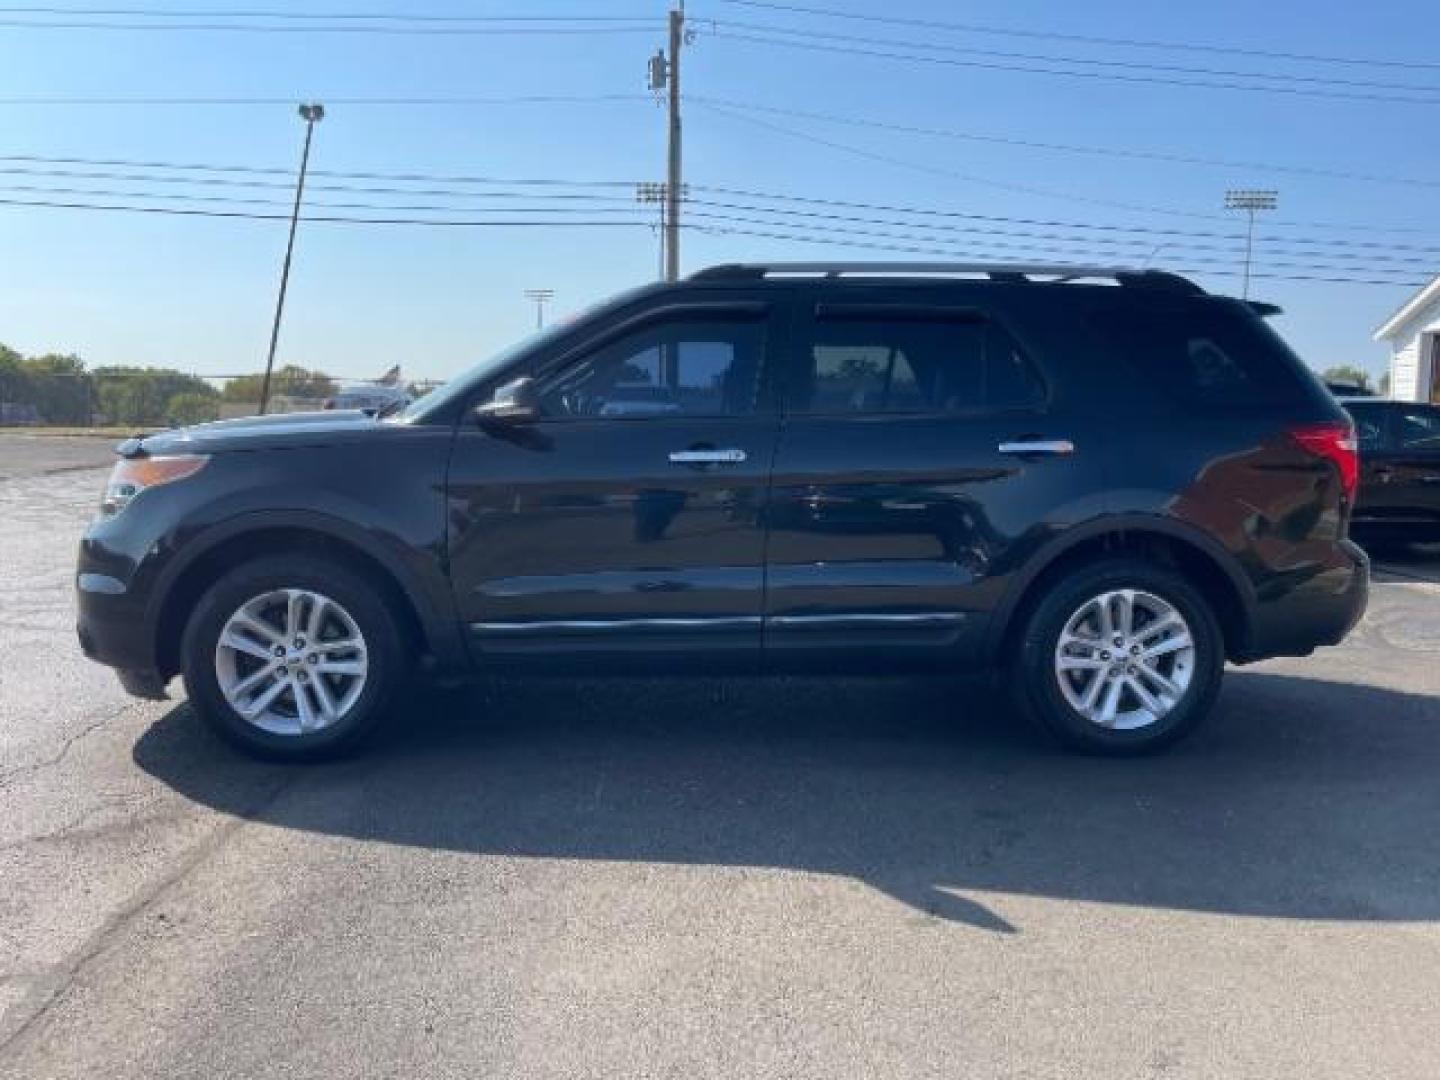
x=1303, y=799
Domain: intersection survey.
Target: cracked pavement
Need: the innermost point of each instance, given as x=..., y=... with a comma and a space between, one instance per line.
x=712, y=878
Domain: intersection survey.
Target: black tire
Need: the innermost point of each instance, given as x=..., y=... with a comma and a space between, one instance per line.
x=1035, y=682
x=385, y=654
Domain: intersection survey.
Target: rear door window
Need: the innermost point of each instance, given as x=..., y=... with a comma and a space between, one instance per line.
x=861, y=362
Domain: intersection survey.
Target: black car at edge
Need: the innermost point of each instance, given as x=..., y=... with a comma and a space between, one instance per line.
x=1399, y=497
x=1103, y=484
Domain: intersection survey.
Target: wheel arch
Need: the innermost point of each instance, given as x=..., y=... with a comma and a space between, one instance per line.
x=252, y=536
x=1160, y=540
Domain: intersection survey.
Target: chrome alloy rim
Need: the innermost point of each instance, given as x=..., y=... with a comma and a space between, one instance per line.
x=1125, y=659
x=291, y=662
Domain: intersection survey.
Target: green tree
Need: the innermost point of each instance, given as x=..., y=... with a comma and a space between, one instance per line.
x=139, y=396
x=59, y=388
x=289, y=381
x=1347, y=373
x=14, y=385
x=192, y=407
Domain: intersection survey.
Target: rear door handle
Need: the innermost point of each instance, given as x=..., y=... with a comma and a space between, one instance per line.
x=1048, y=447
x=732, y=455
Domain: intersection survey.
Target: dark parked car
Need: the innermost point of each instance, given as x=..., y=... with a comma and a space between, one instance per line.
x=1103, y=484
x=1399, y=499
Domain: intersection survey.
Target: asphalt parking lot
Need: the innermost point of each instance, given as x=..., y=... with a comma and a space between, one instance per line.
x=710, y=878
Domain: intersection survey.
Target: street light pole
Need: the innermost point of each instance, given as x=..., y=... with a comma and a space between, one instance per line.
x=312, y=114
x=1250, y=200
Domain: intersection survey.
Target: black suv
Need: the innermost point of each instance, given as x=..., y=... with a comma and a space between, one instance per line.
x=1102, y=483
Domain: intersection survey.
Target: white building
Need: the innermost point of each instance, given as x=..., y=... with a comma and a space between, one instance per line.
x=1413, y=333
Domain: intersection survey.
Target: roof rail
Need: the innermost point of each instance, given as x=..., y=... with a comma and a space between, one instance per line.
x=1004, y=272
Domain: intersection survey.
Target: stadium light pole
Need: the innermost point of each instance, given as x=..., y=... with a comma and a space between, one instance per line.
x=1250, y=200
x=312, y=113
x=541, y=298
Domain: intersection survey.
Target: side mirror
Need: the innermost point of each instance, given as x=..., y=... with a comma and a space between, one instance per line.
x=516, y=402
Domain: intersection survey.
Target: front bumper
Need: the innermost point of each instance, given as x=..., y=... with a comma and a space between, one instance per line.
x=112, y=620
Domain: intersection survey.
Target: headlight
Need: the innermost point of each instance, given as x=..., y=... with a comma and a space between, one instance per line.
x=133, y=475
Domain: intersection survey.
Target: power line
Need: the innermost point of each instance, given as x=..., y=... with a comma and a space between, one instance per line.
x=1142, y=243
x=937, y=170
x=323, y=218
x=920, y=250
x=1086, y=39
x=1006, y=245
x=1101, y=62
x=228, y=175
x=1145, y=230
x=439, y=178
x=272, y=13
x=625, y=206
x=237, y=200
x=280, y=185
x=587, y=28
x=1068, y=148
x=1010, y=248
x=333, y=99
x=1027, y=189
x=985, y=65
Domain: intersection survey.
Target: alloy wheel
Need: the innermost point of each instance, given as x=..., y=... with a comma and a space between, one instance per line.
x=291, y=662
x=1125, y=659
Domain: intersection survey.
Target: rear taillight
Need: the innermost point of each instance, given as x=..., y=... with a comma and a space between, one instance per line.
x=1334, y=441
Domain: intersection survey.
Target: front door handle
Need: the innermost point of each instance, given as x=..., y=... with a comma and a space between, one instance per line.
x=729, y=456
x=1048, y=447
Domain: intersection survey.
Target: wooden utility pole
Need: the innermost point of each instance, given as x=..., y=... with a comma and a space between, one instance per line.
x=673, y=186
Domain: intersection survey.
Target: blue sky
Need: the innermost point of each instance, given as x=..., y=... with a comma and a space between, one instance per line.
x=197, y=293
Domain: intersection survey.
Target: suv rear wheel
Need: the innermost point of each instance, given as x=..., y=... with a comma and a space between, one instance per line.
x=292, y=657
x=1119, y=657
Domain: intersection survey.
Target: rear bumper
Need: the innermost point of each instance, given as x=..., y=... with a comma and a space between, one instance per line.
x=1317, y=603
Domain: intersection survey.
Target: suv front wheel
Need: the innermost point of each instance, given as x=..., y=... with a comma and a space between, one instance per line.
x=1119, y=657
x=292, y=657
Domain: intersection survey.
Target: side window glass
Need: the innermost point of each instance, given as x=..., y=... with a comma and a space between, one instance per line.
x=1369, y=432
x=862, y=378
x=1419, y=429
x=1201, y=353
x=1010, y=379
x=1212, y=371
x=912, y=366
x=679, y=369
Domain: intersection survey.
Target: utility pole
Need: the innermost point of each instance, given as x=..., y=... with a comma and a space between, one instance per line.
x=312, y=114
x=655, y=193
x=665, y=76
x=1250, y=200
x=541, y=298
x=672, y=175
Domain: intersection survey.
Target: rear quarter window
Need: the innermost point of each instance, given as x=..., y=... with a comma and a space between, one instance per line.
x=1211, y=354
